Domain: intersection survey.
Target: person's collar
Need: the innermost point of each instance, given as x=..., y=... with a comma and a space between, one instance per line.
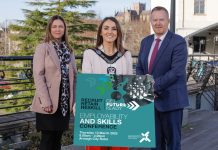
x=161, y=37
x=101, y=48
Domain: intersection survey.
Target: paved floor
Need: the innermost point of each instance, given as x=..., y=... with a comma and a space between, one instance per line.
x=71, y=147
x=201, y=132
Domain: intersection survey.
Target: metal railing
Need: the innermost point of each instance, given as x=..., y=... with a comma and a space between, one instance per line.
x=16, y=94
x=17, y=88
x=201, y=78
x=16, y=84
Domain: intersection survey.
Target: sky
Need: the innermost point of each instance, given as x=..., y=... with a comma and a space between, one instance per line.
x=12, y=9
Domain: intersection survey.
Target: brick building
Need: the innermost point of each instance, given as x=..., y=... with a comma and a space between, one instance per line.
x=137, y=13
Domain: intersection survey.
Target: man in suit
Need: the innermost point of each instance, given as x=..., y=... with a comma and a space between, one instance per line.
x=164, y=56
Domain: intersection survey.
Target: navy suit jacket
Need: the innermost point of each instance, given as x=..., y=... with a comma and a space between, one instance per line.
x=169, y=71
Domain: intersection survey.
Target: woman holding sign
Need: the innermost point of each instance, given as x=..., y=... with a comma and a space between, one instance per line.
x=108, y=57
x=54, y=72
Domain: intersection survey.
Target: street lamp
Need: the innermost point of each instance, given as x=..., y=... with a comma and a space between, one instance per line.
x=172, y=15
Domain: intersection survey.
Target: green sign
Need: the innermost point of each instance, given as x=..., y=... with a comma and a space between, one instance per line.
x=114, y=110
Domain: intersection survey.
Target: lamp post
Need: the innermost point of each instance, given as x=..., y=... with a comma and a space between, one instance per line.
x=172, y=15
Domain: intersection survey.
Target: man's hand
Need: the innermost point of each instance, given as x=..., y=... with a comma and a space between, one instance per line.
x=155, y=96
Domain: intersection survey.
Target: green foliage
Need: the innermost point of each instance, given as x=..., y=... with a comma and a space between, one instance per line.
x=20, y=87
x=32, y=29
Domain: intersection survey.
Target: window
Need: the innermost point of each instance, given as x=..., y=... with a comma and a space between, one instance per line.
x=199, y=6
x=199, y=44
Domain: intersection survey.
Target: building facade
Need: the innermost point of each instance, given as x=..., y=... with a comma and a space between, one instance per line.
x=191, y=15
x=196, y=20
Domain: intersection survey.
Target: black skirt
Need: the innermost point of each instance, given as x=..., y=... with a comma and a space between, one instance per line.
x=52, y=122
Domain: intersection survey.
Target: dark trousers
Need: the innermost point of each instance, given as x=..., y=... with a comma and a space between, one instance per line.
x=50, y=140
x=168, y=129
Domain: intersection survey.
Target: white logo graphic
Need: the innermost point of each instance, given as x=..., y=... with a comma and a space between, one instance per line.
x=132, y=105
x=145, y=137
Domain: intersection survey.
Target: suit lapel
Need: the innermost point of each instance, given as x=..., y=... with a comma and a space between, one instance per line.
x=54, y=55
x=162, y=48
x=147, y=51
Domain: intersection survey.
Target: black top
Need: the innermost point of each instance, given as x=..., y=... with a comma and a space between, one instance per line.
x=109, y=59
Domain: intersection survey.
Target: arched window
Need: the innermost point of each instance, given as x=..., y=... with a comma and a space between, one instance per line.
x=199, y=6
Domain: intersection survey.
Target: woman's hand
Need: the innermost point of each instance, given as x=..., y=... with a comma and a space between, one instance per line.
x=74, y=109
x=48, y=109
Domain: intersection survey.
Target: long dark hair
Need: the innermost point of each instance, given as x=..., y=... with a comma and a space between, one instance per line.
x=49, y=37
x=118, y=42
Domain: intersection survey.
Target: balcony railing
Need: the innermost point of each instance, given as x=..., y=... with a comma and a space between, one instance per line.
x=17, y=89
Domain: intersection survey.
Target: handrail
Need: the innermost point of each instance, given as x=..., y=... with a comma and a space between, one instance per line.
x=15, y=58
x=26, y=116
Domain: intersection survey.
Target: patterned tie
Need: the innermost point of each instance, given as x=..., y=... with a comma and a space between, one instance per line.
x=153, y=56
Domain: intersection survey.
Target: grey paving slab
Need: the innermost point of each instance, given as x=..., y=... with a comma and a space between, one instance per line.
x=73, y=147
x=201, y=132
